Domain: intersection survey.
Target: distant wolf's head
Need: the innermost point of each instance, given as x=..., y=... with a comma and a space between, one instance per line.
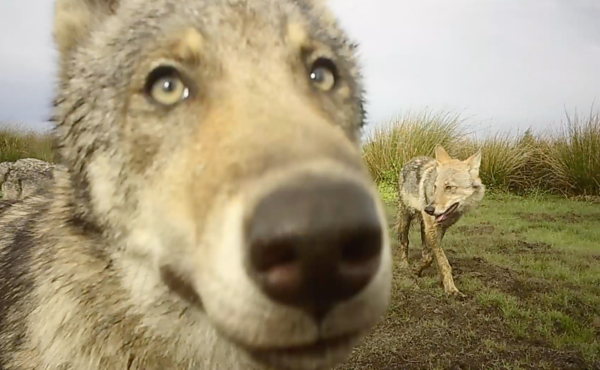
x=215, y=143
x=457, y=185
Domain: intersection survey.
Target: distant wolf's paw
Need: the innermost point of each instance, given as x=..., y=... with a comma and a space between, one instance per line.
x=455, y=293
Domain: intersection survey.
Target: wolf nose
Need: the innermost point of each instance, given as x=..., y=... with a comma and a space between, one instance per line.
x=430, y=210
x=315, y=244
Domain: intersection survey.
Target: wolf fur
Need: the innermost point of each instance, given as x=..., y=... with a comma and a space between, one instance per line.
x=135, y=258
x=438, y=192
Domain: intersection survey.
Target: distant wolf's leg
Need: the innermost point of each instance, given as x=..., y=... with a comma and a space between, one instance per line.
x=403, y=221
x=434, y=234
x=426, y=254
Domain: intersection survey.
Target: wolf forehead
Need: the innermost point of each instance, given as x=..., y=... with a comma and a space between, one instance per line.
x=137, y=30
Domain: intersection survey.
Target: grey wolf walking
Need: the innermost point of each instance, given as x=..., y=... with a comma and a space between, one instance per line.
x=438, y=192
x=210, y=208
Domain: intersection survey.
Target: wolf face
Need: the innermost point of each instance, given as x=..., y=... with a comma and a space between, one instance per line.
x=215, y=144
x=456, y=186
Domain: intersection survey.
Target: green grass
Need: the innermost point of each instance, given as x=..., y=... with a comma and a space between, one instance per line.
x=530, y=267
x=17, y=142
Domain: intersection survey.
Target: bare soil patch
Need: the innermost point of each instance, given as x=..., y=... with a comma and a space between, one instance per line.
x=568, y=218
x=481, y=229
x=426, y=330
x=501, y=278
x=422, y=331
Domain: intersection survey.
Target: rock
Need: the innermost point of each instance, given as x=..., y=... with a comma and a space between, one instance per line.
x=25, y=177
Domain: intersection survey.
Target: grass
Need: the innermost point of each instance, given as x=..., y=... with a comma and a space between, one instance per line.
x=17, y=142
x=572, y=156
x=530, y=268
x=392, y=144
x=563, y=161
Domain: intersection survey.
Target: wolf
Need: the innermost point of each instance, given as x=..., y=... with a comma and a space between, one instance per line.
x=24, y=177
x=210, y=207
x=437, y=192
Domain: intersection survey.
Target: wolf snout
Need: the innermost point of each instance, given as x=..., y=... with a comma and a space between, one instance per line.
x=314, y=244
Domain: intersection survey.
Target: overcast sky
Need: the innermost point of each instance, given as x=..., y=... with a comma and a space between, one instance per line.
x=505, y=63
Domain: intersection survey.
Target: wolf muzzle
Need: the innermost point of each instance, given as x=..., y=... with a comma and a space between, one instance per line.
x=314, y=244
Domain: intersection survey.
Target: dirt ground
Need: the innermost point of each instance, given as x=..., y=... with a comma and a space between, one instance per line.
x=531, y=273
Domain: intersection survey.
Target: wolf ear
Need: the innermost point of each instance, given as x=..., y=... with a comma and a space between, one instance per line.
x=74, y=19
x=441, y=155
x=474, y=161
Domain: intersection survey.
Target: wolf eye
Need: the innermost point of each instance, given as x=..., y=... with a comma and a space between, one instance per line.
x=450, y=188
x=165, y=86
x=323, y=74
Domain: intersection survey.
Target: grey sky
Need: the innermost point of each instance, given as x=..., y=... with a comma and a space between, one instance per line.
x=506, y=63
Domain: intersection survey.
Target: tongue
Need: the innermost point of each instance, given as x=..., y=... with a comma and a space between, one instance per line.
x=440, y=218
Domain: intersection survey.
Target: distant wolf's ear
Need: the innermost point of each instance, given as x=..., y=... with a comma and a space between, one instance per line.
x=74, y=19
x=474, y=161
x=441, y=155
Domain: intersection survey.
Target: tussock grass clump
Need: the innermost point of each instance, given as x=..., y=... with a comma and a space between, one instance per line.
x=504, y=163
x=391, y=145
x=565, y=161
x=17, y=142
x=571, y=156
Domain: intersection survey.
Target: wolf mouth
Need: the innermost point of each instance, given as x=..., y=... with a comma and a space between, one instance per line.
x=276, y=357
x=318, y=349
x=445, y=215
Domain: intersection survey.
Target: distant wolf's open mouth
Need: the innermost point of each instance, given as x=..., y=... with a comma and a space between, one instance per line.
x=445, y=215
